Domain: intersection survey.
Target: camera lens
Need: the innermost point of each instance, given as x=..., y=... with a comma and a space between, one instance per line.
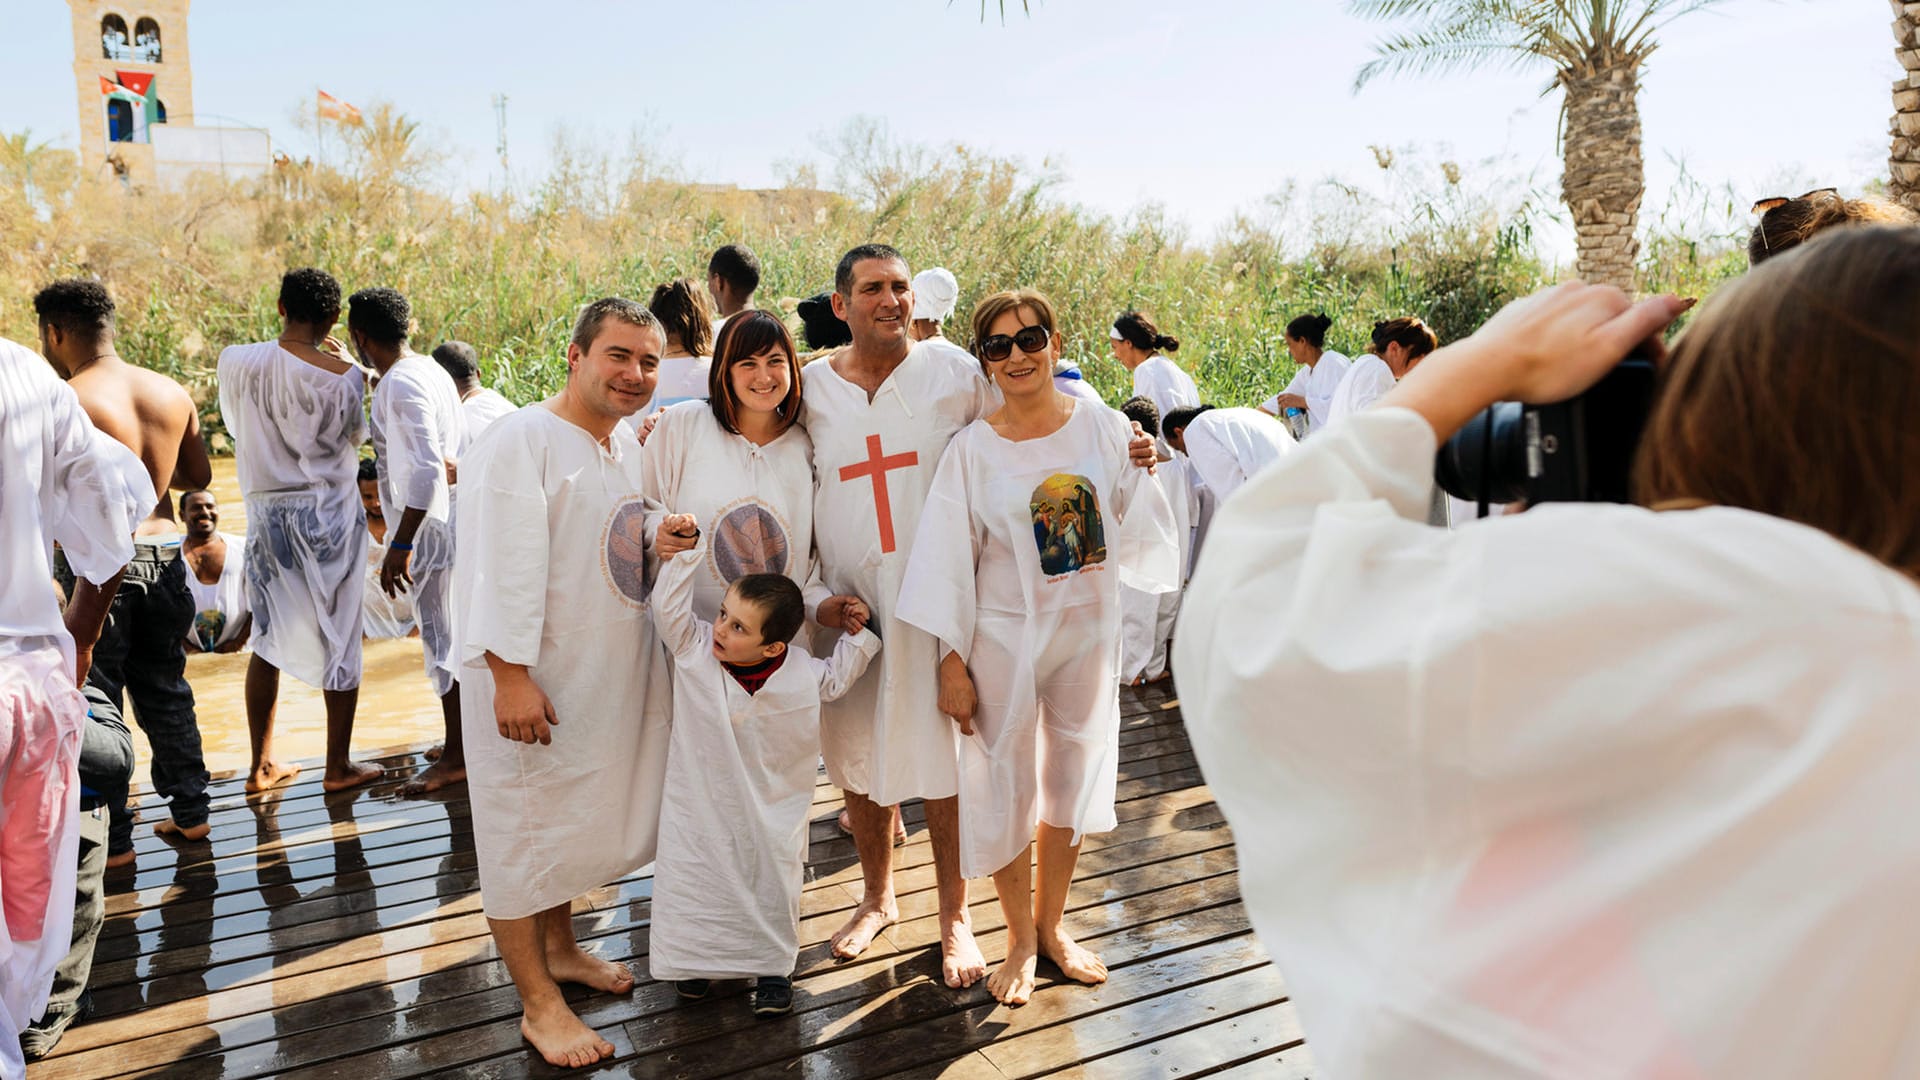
x=1487, y=458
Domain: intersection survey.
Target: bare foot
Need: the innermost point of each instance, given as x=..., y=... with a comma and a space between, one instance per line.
x=353, y=774
x=270, y=774
x=868, y=920
x=576, y=965
x=433, y=752
x=562, y=1038
x=1075, y=961
x=169, y=828
x=961, y=964
x=440, y=774
x=125, y=858
x=1012, y=982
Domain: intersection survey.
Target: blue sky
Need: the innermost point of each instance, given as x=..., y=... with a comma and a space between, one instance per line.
x=1201, y=106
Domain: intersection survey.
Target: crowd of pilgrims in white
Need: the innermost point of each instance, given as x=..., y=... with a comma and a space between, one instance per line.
x=656, y=603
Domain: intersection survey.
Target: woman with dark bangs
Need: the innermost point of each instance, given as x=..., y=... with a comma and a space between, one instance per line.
x=741, y=465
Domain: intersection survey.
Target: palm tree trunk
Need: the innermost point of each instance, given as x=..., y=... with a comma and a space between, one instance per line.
x=1904, y=164
x=1603, y=180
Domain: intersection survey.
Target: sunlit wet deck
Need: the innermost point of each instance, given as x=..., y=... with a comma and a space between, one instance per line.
x=341, y=936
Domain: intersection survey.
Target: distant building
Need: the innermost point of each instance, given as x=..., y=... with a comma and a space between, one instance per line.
x=134, y=81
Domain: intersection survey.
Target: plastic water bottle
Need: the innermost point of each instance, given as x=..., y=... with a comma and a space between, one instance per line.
x=1297, y=422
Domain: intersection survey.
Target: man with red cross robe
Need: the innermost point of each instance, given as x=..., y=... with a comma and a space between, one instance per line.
x=880, y=413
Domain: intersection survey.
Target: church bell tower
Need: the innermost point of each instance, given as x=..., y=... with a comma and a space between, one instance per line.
x=131, y=74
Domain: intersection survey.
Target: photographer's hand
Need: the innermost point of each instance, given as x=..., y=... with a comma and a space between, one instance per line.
x=1547, y=347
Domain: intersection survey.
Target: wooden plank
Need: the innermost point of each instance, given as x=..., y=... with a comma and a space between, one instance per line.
x=1256, y=1038
x=1142, y=1034
x=1293, y=1063
x=355, y=971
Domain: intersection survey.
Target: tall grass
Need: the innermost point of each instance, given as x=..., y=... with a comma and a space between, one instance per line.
x=197, y=269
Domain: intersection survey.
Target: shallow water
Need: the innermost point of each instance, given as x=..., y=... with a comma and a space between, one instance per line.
x=397, y=707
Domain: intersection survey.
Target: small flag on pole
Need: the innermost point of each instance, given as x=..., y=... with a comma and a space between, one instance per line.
x=332, y=108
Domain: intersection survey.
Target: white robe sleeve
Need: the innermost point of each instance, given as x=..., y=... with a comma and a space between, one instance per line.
x=415, y=467
x=1147, y=544
x=504, y=539
x=101, y=489
x=851, y=655
x=684, y=636
x=661, y=462
x=937, y=593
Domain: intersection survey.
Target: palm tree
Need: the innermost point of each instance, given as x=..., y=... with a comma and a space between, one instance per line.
x=1904, y=183
x=1596, y=50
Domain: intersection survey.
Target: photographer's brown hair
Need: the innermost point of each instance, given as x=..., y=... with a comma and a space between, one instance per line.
x=1793, y=394
x=1795, y=221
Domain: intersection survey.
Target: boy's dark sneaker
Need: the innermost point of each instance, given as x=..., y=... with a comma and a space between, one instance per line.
x=693, y=989
x=773, y=996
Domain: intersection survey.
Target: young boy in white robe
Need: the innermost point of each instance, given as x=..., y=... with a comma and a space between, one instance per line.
x=1034, y=519
x=741, y=766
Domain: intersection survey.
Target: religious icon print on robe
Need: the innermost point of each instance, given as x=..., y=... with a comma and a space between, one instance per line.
x=1067, y=526
x=623, y=552
x=208, y=625
x=749, y=538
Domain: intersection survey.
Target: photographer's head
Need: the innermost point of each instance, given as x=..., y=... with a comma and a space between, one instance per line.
x=1785, y=223
x=1402, y=343
x=1793, y=392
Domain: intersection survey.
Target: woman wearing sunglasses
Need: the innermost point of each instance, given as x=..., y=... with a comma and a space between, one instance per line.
x=1025, y=599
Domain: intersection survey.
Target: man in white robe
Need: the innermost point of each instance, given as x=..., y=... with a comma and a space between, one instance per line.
x=60, y=480
x=480, y=405
x=564, y=693
x=418, y=436
x=880, y=414
x=295, y=409
x=1227, y=447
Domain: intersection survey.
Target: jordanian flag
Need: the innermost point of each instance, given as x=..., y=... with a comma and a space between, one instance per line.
x=136, y=89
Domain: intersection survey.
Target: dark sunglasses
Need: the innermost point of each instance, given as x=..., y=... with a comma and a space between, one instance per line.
x=1031, y=339
x=1774, y=202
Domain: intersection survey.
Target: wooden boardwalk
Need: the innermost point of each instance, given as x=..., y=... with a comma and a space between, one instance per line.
x=341, y=936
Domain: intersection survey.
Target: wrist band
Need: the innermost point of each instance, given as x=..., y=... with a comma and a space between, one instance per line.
x=398, y=546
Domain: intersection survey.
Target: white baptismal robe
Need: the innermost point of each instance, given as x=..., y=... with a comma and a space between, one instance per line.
x=480, y=409
x=417, y=428
x=1166, y=384
x=873, y=462
x=61, y=480
x=1606, y=783
x=1227, y=447
x=1147, y=616
x=551, y=574
x=297, y=430
x=1366, y=382
x=681, y=378
x=754, y=504
x=1017, y=569
x=1316, y=384
x=733, y=838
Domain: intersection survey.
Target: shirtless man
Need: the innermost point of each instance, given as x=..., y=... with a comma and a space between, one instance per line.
x=141, y=651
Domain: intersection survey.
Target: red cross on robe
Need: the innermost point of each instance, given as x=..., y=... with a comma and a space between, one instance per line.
x=877, y=465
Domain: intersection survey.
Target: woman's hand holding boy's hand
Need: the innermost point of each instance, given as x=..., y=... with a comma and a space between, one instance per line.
x=848, y=613
x=677, y=533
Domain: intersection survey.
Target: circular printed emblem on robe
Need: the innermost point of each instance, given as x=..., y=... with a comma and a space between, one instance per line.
x=208, y=625
x=624, y=554
x=749, y=539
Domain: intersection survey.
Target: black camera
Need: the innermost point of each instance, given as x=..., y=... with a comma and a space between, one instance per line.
x=1578, y=450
